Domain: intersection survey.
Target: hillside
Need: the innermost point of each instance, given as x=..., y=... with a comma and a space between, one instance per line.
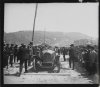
x=85, y=41
x=52, y=38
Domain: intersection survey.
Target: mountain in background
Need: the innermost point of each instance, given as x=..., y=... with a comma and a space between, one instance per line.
x=85, y=41
x=51, y=38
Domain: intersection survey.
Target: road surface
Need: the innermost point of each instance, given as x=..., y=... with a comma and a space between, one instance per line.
x=65, y=76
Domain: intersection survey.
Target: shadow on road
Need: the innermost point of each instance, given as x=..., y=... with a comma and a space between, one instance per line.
x=14, y=74
x=31, y=70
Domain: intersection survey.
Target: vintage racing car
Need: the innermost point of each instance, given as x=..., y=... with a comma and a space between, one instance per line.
x=48, y=60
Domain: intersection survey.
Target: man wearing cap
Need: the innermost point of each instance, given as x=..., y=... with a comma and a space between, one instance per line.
x=71, y=56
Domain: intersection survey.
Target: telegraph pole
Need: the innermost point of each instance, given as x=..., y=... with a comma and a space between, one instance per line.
x=34, y=21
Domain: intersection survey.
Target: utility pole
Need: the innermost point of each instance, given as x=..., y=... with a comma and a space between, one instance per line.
x=34, y=21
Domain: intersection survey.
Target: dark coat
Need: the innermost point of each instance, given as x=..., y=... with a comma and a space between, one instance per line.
x=72, y=52
x=23, y=54
x=15, y=50
x=11, y=50
x=64, y=51
x=5, y=56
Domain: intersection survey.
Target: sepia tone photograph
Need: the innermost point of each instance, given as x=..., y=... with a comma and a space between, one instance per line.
x=51, y=43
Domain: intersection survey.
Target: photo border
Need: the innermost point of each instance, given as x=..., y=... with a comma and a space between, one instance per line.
x=1, y=44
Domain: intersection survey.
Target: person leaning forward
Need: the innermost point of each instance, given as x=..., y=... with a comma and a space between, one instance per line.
x=23, y=59
x=71, y=56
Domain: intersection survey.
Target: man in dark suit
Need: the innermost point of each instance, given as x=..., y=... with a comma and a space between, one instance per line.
x=15, y=53
x=64, y=53
x=93, y=61
x=11, y=54
x=30, y=47
x=24, y=54
x=71, y=56
x=5, y=55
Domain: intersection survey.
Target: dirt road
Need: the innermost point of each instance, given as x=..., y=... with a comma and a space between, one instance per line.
x=66, y=76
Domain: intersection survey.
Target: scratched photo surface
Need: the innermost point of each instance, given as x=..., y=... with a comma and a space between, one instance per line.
x=51, y=43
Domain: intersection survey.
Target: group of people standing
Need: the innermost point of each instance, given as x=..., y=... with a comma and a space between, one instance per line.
x=22, y=54
x=9, y=54
x=87, y=56
x=13, y=53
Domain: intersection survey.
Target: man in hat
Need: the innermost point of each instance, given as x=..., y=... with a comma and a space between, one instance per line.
x=30, y=47
x=24, y=54
x=11, y=54
x=6, y=55
x=71, y=56
x=64, y=53
x=93, y=61
x=87, y=58
x=15, y=52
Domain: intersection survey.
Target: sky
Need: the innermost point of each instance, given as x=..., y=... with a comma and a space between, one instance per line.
x=61, y=17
